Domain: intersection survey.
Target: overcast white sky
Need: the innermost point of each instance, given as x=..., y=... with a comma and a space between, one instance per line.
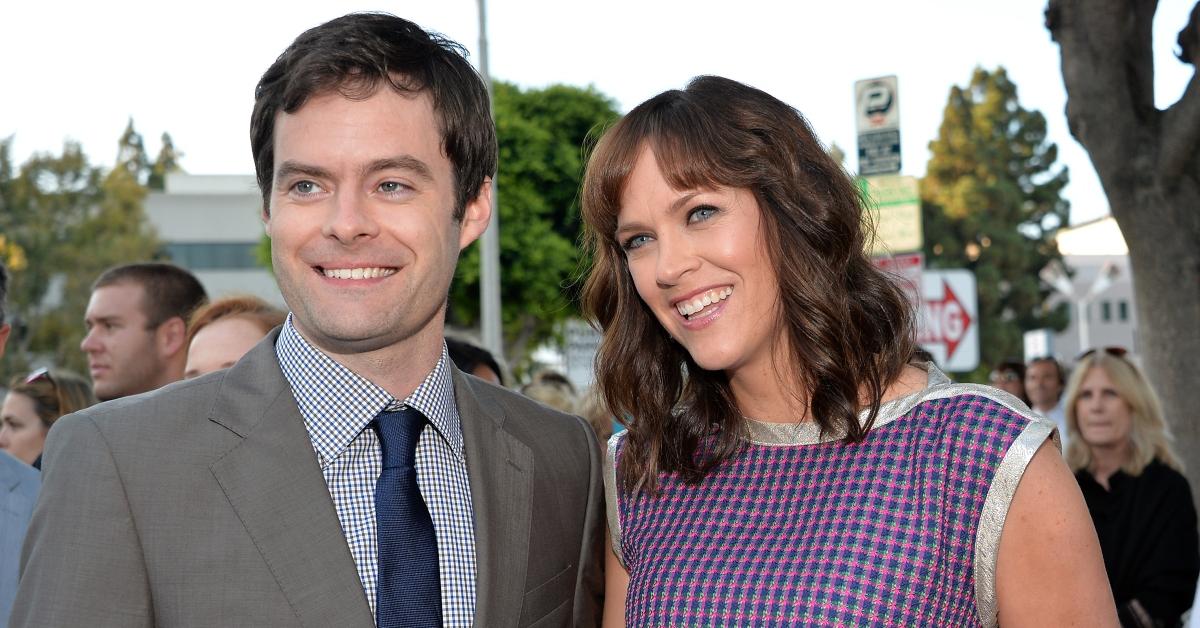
x=79, y=69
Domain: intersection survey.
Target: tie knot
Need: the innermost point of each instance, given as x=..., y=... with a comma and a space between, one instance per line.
x=398, y=435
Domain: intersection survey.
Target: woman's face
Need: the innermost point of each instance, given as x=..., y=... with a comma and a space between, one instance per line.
x=22, y=433
x=699, y=262
x=220, y=344
x=1105, y=419
x=1008, y=381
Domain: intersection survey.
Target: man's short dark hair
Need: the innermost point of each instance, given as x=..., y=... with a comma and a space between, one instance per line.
x=467, y=357
x=169, y=290
x=356, y=53
x=3, y=291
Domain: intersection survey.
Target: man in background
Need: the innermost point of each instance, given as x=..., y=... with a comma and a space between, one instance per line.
x=137, y=327
x=19, y=484
x=1044, y=382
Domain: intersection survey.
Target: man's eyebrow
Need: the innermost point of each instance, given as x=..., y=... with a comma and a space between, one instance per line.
x=401, y=162
x=291, y=168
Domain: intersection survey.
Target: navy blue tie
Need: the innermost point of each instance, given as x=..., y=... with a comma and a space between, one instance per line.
x=408, y=592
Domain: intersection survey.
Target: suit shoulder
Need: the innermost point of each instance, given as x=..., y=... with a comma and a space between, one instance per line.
x=526, y=415
x=158, y=409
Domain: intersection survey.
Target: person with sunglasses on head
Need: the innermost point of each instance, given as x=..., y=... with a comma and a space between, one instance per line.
x=33, y=404
x=1140, y=502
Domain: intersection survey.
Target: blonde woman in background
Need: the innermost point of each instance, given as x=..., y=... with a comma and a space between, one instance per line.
x=1120, y=450
x=33, y=404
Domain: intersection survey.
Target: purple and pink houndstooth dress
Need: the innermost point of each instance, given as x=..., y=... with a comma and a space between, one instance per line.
x=803, y=530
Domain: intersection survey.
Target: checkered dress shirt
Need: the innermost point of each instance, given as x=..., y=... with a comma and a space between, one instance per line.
x=337, y=406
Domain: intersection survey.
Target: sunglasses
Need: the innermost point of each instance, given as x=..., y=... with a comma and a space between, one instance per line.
x=1116, y=352
x=1004, y=376
x=42, y=373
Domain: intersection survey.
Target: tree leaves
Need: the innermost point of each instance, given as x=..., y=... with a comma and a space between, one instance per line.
x=991, y=201
x=541, y=132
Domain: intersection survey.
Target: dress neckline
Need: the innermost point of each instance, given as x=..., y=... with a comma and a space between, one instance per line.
x=809, y=432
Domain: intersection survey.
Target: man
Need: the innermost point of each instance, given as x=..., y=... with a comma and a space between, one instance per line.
x=342, y=473
x=137, y=327
x=1044, y=382
x=18, y=490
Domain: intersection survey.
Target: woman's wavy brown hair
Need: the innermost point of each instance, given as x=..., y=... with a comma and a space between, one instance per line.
x=850, y=328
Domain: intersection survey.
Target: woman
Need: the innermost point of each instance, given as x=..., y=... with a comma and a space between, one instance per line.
x=785, y=464
x=1120, y=450
x=33, y=404
x=221, y=332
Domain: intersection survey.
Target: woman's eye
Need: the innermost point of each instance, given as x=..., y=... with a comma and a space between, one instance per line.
x=635, y=242
x=702, y=213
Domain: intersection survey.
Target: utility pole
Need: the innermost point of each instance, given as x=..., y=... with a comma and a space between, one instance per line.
x=489, y=247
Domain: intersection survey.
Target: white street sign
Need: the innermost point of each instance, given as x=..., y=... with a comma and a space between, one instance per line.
x=948, y=319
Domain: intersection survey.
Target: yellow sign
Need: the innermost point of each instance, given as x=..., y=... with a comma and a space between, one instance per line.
x=894, y=202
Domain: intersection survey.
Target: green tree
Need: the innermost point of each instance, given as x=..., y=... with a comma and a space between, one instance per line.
x=71, y=220
x=166, y=163
x=131, y=153
x=991, y=200
x=541, y=135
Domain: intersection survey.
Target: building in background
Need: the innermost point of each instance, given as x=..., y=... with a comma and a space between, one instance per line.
x=1092, y=249
x=210, y=225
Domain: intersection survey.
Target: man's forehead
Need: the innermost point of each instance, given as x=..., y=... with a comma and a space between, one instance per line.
x=118, y=299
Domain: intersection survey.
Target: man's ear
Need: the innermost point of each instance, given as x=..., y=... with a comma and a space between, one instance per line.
x=4, y=331
x=172, y=337
x=476, y=215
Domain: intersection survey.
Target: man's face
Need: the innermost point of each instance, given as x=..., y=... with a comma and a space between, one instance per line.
x=1041, y=384
x=123, y=353
x=363, y=238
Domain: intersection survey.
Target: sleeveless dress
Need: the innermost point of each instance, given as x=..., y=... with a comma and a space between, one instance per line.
x=801, y=529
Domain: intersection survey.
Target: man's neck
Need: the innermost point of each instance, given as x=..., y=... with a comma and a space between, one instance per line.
x=398, y=368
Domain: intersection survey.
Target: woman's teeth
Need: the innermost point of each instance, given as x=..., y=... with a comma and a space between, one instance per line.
x=691, y=308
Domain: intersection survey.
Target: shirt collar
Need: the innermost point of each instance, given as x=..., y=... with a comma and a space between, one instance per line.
x=337, y=404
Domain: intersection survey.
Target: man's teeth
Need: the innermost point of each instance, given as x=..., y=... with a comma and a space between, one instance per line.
x=688, y=308
x=358, y=273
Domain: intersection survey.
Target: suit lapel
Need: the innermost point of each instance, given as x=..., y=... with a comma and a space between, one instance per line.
x=273, y=482
x=500, y=470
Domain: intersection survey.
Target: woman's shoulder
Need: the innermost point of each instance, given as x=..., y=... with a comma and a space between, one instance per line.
x=964, y=406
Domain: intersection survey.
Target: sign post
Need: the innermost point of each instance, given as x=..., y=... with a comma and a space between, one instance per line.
x=877, y=103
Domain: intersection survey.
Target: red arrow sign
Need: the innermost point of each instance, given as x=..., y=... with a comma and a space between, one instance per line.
x=946, y=321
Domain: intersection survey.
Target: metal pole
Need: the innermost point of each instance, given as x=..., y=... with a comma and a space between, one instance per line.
x=489, y=246
x=1083, y=315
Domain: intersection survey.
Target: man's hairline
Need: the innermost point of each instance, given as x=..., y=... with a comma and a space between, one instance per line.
x=143, y=302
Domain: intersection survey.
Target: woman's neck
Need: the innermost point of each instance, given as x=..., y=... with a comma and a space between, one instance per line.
x=765, y=397
x=1106, y=461
x=776, y=396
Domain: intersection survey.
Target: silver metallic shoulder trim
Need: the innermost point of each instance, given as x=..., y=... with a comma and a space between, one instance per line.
x=995, y=509
x=610, y=498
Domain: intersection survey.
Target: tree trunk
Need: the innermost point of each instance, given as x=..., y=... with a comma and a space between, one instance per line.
x=1149, y=164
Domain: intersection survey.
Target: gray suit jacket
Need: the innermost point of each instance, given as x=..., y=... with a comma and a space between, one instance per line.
x=202, y=504
x=19, y=484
